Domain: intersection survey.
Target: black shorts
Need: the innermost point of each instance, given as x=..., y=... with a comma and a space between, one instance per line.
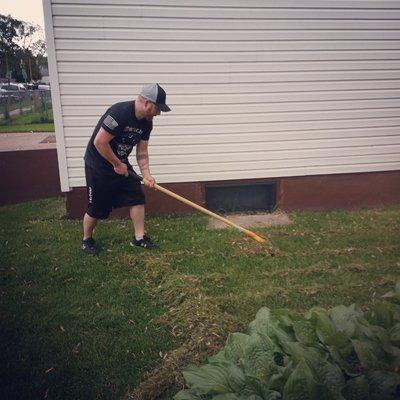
x=108, y=190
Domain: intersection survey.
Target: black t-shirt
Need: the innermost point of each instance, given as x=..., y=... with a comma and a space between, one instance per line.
x=120, y=121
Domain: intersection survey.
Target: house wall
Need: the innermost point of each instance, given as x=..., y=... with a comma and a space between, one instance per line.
x=259, y=89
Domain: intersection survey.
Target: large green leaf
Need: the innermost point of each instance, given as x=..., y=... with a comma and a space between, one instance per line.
x=225, y=377
x=299, y=352
x=383, y=385
x=285, y=317
x=305, y=331
x=394, y=295
x=320, y=317
x=346, y=319
x=258, y=357
x=356, y=389
x=394, y=334
x=381, y=313
x=331, y=376
x=396, y=315
x=266, y=325
x=382, y=338
x=262, y=322
x=218, y=358
x=325, y=372
x=325, y=329
x=370, y=354
x=348, y=362
x=256, y=387
x=301, y=385
x=236, y=345
x=277, y=382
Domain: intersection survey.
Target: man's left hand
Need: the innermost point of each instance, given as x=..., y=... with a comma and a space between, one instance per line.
x=149, y=181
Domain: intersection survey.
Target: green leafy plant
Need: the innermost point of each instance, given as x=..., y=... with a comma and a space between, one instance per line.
x=337, y=354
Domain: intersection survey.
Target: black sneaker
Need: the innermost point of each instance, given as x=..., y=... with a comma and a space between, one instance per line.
x=146, y=243
x=89, y=246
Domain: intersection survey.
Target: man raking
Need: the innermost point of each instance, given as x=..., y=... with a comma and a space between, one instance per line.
x=109, y=184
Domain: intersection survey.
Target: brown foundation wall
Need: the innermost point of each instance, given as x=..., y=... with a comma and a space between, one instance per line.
x=344, y=191
x=157, y=203
x=28, y=175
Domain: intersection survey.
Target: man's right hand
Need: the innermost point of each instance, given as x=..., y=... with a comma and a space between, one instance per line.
x=121, y=169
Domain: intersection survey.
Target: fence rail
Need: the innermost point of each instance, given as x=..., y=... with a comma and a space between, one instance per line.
x=14, y=103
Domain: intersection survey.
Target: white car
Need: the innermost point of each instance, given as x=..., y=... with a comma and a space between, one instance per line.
x=15, y=87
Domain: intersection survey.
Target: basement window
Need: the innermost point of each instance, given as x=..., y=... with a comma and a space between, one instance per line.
x=241, y=197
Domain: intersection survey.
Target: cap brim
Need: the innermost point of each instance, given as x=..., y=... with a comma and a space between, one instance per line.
x=163, y=107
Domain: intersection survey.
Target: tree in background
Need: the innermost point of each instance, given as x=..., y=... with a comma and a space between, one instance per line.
x=22, y=55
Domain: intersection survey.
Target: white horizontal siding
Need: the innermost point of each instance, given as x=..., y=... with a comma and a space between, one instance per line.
x=232, y=57
x=253, y=137
x=227, y=119
x=237, y=78
x=226, y=46
x=220, y=35
x=364, y=4
x=224, y=67
x=204, y=154
x=252, y=108
x=61, y=21
x=260, y=164
x=258, y=88
x=220, y=11
x=282, y=171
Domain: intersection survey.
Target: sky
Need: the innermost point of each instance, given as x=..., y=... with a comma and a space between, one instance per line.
x=25, y=10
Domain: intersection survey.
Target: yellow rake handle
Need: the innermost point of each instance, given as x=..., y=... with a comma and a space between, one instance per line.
x=210, y=213
x=247, y=232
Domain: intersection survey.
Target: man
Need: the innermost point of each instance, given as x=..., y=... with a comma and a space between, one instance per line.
x=109, y=184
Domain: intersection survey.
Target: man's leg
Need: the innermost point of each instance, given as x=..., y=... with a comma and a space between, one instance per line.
x=89, y=246
x=89, y=223
x=137, y=216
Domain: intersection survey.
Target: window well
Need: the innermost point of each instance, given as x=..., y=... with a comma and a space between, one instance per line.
x=241, y=197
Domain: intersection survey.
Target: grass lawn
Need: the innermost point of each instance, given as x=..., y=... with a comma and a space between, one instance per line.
x=125, y=322
x=36, y=122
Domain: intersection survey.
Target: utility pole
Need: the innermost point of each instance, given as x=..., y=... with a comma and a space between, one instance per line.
x=8, y=75
x=30, y=69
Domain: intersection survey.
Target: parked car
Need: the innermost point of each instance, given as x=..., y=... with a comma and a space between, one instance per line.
x=3, y=93
x=16, y=87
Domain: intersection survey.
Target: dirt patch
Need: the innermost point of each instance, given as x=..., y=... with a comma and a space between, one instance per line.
x=251, y=221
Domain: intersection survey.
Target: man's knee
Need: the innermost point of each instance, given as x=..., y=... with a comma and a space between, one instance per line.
x=96, y=213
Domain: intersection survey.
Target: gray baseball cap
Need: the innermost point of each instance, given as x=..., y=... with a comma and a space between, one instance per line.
x=156, y=94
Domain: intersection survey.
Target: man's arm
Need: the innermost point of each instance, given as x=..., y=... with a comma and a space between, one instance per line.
x=102, y=144
x=142, y=158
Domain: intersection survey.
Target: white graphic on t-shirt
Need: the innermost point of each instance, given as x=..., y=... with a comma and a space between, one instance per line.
x=131, y=135
x=110, y=122
x=131, y=129
x=123, y=150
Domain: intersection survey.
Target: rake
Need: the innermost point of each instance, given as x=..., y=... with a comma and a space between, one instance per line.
x=258, y=238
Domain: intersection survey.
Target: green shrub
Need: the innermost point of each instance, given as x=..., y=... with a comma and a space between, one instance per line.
x=341, y=353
